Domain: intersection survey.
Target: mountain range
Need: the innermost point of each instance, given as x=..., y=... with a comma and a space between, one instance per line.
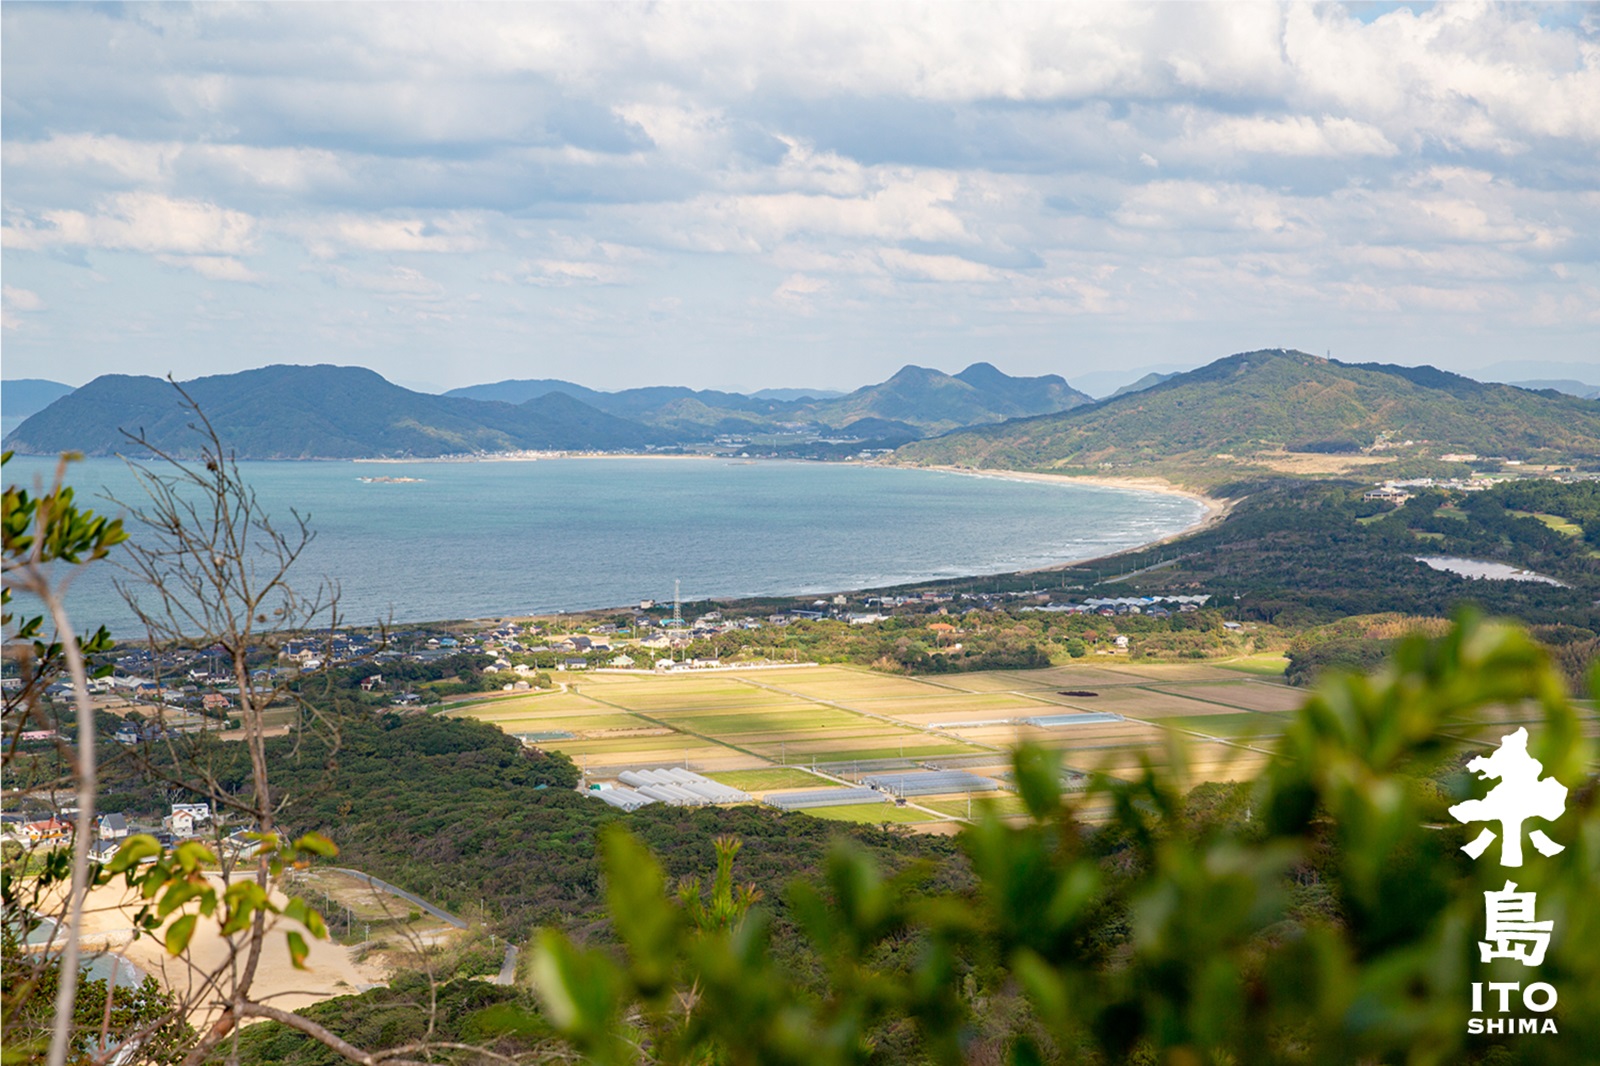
x=1263, y=409
x=915, y=402
x=1256, y=411
x=23, y=396
x=301, y=412
x=314, y=412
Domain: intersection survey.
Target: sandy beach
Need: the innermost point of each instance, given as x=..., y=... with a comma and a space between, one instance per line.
x=331, y=969
x=1215, y=510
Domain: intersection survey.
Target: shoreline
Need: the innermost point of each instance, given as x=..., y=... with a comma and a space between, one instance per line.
x=1214, y=510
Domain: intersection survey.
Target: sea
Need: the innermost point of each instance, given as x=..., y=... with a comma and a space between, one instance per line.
x=489, y=539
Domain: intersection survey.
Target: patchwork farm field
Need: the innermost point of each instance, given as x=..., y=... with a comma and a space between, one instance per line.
x=754, y=729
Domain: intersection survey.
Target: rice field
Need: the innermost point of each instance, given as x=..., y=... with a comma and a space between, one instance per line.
x=755, y=729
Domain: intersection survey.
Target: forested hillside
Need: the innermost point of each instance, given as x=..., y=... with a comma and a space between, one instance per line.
x=1245, y=411
x=462, y=814
x=914, y=401
x=314, y=412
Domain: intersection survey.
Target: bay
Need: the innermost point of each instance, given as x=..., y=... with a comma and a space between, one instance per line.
x=492, y=539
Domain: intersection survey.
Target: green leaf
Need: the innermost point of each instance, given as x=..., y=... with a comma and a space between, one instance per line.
x=134, y=850
x=179, y=932
x=193, y=854
x=179, y=894
x=241, y=901
x=297, y=950
x=317, y=844
x=1039, y=780
x=299, y=910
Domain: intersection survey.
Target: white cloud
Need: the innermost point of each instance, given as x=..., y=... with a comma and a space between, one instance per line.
x=906, y=264
x=328, y=236
x=143, y=162
x=922, y=174
x=214, y=267
x=139, y=222
x=906, y=206
x=15, y=301
x=1294, y=136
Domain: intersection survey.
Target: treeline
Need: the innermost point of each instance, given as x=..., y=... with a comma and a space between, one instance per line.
x=453, y=675
x=979, y=639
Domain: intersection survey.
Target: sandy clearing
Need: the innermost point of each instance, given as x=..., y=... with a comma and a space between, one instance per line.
x=108, y=922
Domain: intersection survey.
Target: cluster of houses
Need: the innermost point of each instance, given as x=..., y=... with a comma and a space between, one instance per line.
x=1154, y=606
x=185, y=822
x=1399, y=491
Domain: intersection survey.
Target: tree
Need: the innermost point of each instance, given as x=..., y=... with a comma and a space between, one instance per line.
x=211, y=570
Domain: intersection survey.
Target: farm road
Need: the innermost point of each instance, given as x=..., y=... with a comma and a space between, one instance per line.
x=409, y=897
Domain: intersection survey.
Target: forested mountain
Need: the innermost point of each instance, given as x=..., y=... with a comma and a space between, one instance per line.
x=1146, y=382
x=1566, y=385
x=315, y=412
x=329, y=412
x=21, y=397
x=1255, y=407
x=924, y=400
x=936, y=401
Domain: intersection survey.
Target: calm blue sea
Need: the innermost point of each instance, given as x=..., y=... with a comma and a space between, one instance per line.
x=488, y=539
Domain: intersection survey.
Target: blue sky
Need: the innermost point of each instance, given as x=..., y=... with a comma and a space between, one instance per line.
x=758, y=195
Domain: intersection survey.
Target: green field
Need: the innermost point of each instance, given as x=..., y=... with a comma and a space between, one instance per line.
x=1564, y=526
x=770, y=780
x=1259, y=665
x=869, y=813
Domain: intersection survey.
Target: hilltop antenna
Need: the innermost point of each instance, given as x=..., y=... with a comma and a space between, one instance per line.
x=677, y=604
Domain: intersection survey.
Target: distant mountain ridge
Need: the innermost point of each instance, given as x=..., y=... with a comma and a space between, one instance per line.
x=315, y=412
x=1251, y=407
x=21, y=397
x=1147, y=382
x=1566, y=385
x=332, y=412
x=928, y=400
x=1250, y=410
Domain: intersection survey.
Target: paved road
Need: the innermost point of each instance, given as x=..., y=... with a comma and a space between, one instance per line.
x=409, y=897
x=508, y=969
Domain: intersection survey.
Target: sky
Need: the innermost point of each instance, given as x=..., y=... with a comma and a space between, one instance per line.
x=759, y=195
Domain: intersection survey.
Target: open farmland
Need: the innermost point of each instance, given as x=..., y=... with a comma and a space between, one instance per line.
x=754, y=728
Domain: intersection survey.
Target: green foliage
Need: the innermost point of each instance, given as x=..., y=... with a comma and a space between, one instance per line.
x=1323, y=914
x=39, y=530
x=498, y=1019
x=145, y=1014
x=1295, y=554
